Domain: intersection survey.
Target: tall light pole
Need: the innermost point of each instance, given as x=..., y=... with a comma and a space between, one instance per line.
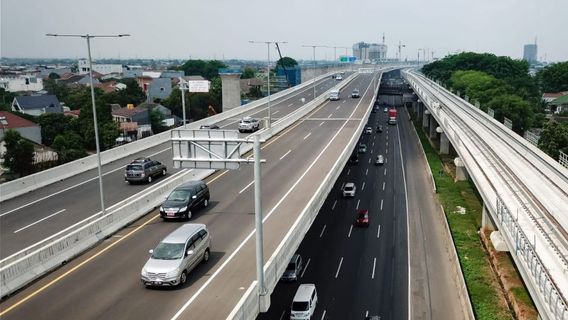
x=400, y=46
x=268, y=43
x=314, y=61
x=88, y=37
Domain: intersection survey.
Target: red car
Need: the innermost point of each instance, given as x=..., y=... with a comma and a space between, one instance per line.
x=362, y=218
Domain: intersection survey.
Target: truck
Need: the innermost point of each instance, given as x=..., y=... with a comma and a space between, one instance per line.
x=334, y=95
x=392, y=116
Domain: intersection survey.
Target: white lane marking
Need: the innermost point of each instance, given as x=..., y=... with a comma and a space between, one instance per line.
x=291, y=104
x=379, y=231
x=282, y=157
x=309, y=134
x=384, y=183
x=363, y=186
x=366, y=313
x=367, y=171
x=348, y=171
x=358, y=201
x=382, y=204
x=350, y=229
x=371, y=151
x=333, y=207
x=386, y=151
x=385, y=171
x=338, y=267
x=330, y=116
x=374, y=265
x=323, y=315
x=369, y=160
x=373, y=144
x=252, y=233
x=73, y=186
x=305, y=268
x=323, y=230
x=387, y=144
x=342, y=186
x=40, y=220
x=275, y=112
x=344, y=101
x=337, y=108
x=282, y=315
x=321, y=123
x=248, y=185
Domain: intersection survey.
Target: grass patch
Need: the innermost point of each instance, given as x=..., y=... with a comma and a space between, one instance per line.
x=485, y=294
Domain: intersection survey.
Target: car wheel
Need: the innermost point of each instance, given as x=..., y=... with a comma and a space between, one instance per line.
x=149, y=179
x=188, y=215
x=182, y=278
x=164, y=172
x=206, y=256
x=205, y=202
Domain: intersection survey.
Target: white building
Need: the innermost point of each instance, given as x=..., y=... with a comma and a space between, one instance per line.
x=100, y=68
x=21, y=83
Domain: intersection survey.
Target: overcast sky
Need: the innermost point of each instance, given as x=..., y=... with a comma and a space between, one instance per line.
x=221, y=28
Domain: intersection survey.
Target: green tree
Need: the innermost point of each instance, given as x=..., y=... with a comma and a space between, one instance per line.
x=216, y=92
x=207, y=69
x=53, y=76
x=248, y=73
x=173, y=102
x=286, y=62
x=554, y=138
x=554, y=78
x=255, y=93
x=6, y=99
x=156, y=119
x=19, y=155
x=108, y=129
x=60, y=90
x=69, y=146
x=133, y=94
x=516, y=109
x=52, y=124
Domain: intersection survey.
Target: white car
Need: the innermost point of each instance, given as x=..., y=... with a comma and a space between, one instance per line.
x=349, y=190
x=338, y=77
x=368, y=130
x=248, y=124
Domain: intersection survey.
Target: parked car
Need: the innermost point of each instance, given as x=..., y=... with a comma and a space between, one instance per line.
x=184, y=199
x=144, y=170
x=349, y=190
x=248, y=124
x=355, y=93
x=175, y=256
x=362, y=148
x=368, y=130
x=362, y=219
x=293, y=269
x=380, y=160
x=209, y=127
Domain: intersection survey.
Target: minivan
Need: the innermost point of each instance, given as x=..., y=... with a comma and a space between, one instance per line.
x=334, y=95
x=304, y=303
x=184, y=199
x=293, y=269
x=175, y=256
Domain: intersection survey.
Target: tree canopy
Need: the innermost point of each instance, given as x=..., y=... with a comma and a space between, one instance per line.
x=19, y=155
x=207, y=69
x=286, y=62
x=554, y=138
x=554, y=78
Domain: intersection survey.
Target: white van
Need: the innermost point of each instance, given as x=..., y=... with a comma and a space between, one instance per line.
x=334, y=95
x=304, y=303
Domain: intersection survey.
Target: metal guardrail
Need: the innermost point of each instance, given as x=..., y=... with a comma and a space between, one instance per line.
x=249, y=305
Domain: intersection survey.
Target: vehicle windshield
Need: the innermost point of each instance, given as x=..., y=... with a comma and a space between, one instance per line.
x=168, y=251
x=348, y=188
x=134, y=167
x=300, y=306
x=179, y=195
x=291, y=266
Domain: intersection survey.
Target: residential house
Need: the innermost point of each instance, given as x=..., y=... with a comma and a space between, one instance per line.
x=166, y=112
x=131, y=71
x=159, y=88
x=26, y=128
x=37, y=105
x=559, y=105
x=100, y=68
x=21, y=83
x=139, y=115
x=550, y=96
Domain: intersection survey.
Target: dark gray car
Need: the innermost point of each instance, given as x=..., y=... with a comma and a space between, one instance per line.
x=184, y=199
x=144, y=170
x=293, y=269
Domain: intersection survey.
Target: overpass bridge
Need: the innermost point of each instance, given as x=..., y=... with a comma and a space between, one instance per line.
x=525, y=192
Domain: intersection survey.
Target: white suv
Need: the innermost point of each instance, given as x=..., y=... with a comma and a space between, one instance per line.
x=248, y=124
x=349, y=190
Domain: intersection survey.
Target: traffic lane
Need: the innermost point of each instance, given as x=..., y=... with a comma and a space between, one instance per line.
x=342, y=108
x=227, y=231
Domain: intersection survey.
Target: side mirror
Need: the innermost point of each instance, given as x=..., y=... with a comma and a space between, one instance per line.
x=189, y=252
x=151, y=251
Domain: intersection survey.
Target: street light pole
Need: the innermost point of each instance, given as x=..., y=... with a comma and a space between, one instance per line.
x=314, y=61
x=88, y=38
x=268, y=43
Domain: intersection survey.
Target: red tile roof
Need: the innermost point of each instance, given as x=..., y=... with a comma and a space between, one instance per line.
x=13, y=121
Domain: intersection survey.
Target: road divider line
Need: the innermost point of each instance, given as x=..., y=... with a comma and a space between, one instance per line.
x=248, y=185
x=374, y=265
x=350, y=229
x=337, y=108
x=367, y=171
x=348, y=171
x=369, y=160
x=323, y=315
x=382, y=204
x=309, y=134
x=338, y=268
x=379, y=231
x=385, y=172
x=363, y=186
x=333, y=207
x=40, y=220
x=282, y=157
x=330, y=115
x=305, y=268
x=384, y=184
x=323, y=230
x=291, y=104
x=358, y=201
x=282, y=315
x=321, y=123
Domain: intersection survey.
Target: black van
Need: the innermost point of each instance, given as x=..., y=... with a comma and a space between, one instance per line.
x=184, y=199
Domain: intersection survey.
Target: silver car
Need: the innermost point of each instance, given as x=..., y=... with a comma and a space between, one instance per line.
x=175, y=256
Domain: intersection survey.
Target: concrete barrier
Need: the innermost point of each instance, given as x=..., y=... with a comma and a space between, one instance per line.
x=14, y=188
x=26, y=265
x=249, y=305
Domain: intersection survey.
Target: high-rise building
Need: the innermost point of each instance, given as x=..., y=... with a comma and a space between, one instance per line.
x=369, y=51
x=529, y=53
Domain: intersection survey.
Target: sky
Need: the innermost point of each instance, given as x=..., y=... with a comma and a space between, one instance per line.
x=221, y=29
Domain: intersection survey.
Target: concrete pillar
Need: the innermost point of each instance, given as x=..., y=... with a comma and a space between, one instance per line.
x=231, y=89
x=415, y=108
x=444, y=142
x=433, y=126
x=420, y=110
x=486, y=220
x=498, y=242
x=425, y=119
x=461, y=171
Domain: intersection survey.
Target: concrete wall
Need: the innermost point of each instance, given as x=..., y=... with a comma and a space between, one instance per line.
x=231, y=87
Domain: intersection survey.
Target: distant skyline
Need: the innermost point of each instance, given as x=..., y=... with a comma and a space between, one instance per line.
x=221, y=29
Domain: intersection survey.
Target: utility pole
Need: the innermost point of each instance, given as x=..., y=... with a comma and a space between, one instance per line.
x=314, y=62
